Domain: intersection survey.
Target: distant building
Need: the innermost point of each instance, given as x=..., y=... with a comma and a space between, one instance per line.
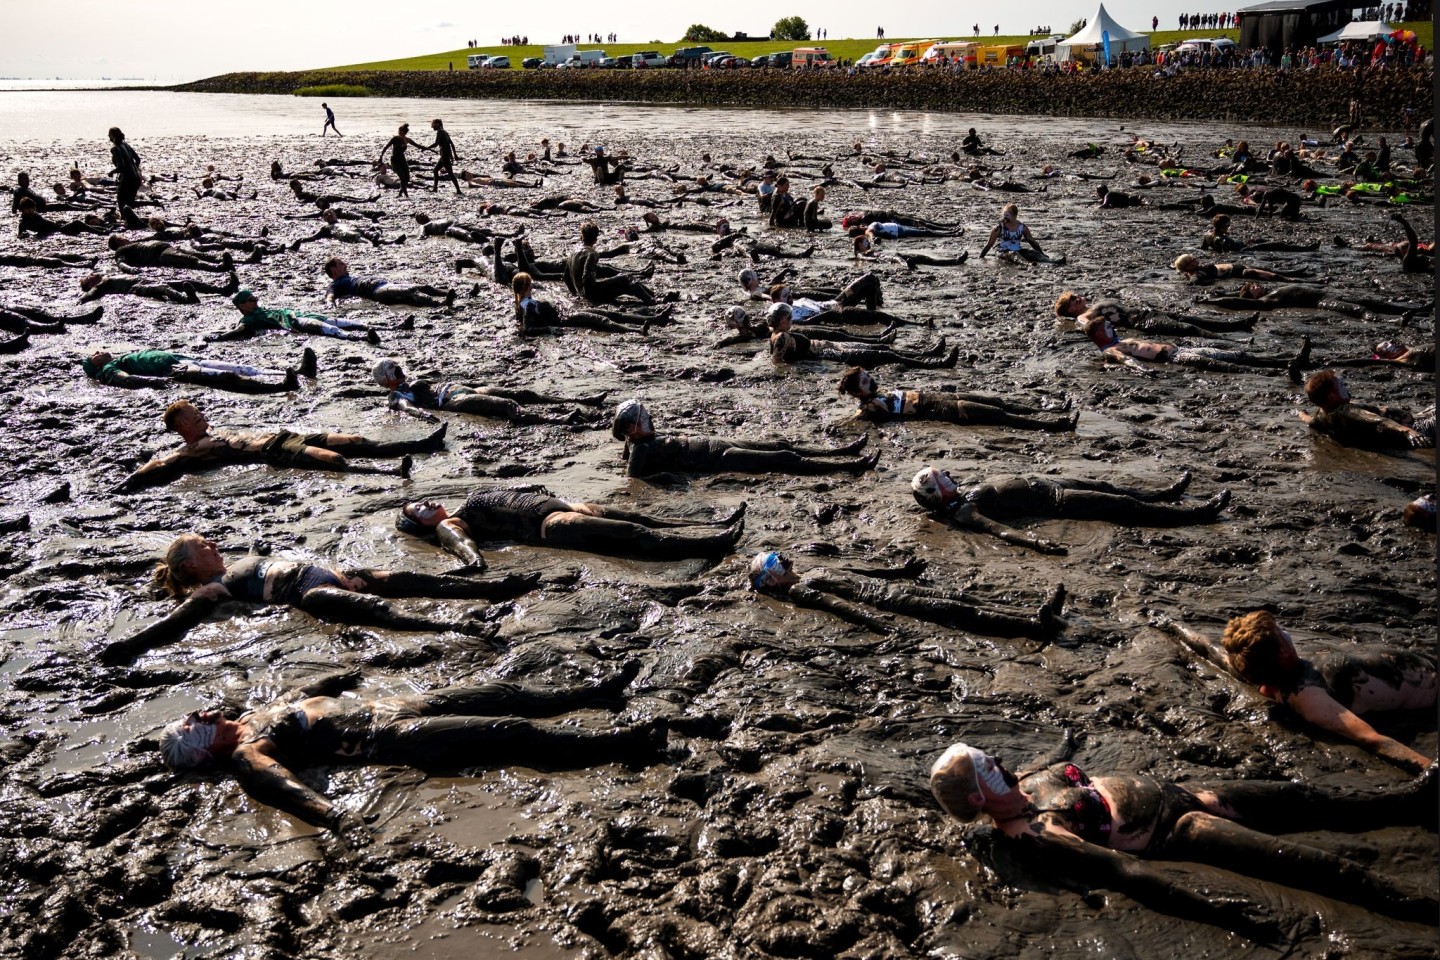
x=1282, y=25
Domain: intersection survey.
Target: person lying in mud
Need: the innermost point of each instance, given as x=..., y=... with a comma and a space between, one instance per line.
x=1266, y=200
x=330, y=199
x=1130, y=352
x=1072, y=306
x=982, y=507
x=1204, y=274
x=452, y=728
x=1219, y=240
x=158, y=253
x=1010, y=233
x=858, y=303
x=54, y=261
x=1362, y=425
x=21, y=319
x=1420, y=514
x=948, y=406
x=583, y=279
x=505, y=182
x=1108, y=199
x=536, y=317
x=1090, y=151
x=867, y=247
x=1389, y=353
x=788, y=347
x=748, y=331
x=1253, y=296
x=651, y=457
x=255, y=319
x=1415, y=257
x=417, y=398
x=466, y=233
x=332, y=229
x=535, y=517
x=205, y=450
x=654, y=224
x=1098, y=832
x=1331, y=691
x=862, y=597
x=863, y=217
x=158, y=369
x=95, y=285
x=195, y=572
x=343, y=286
x=31, y=221
x=889, y=230
x=373, y=216
x=209, y=191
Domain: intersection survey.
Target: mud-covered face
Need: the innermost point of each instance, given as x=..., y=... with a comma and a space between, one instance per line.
x=427, y=513
x=1389, y=350
x=773, y=569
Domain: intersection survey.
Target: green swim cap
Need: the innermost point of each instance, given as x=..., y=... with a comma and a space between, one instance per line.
x=242, y=296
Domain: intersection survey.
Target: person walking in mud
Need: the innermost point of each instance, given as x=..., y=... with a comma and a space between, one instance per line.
x=445, y=165
x=396, y=145
x=329, y=121
x=1332, y=691
x=862, y=597
x=651, y=457
x=204, y=450
x=255, y=319
x=1097, y=832
x=982, y=507
x=416, y=398
x=194, y=572
x=126, y=168
x=535, y=517
x=446, y=729
x=948, y=406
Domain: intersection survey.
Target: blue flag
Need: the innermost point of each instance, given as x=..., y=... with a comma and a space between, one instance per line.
x=1105, y=39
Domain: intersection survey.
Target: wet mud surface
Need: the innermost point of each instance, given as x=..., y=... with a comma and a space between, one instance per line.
x=792, y=817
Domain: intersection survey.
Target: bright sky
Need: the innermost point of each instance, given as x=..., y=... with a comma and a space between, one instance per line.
x=176, y=40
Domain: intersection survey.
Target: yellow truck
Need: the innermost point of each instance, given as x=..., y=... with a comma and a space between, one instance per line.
x=999, y=56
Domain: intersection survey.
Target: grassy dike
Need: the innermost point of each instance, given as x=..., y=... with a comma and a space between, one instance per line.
x=1315, y=100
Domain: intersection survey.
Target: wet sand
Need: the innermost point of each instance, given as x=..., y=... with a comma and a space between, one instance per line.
x=794, y=818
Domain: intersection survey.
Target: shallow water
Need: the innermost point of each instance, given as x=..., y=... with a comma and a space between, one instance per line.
x=794, y=818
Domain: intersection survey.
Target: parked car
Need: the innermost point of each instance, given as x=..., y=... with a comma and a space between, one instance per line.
x=498, y=63
x=607, y=63
x=689, y=56
x=866, y=60
x=712, y=59
x=781, y=59
x=477, y=61
x=531, y=63
x=734, y=63
x=761, y=61
x=647, y=59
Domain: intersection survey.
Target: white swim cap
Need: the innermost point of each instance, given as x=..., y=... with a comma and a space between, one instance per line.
x=777, y=312
x=186, y=743
x=747, y=277
x=735, y=318
x=957, y=776
x=627, y=415
x=927, y=488
x=387, y=371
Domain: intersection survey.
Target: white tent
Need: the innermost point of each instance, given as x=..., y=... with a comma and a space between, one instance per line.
x=1092, y=36
x=1357, y=30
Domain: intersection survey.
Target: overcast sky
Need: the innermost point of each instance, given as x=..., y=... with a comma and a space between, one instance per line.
x=173, y=40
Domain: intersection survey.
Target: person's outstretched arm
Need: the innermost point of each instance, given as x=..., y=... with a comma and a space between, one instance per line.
x=134, y=381
x=401, y=405
x=970, y=519
x=804, y=596
x=168, y=629
x=455, y=537
x=1198, y=643
x=1317, y=706
x=994, y=235
x=239, y=332
x=265, y=778
x=159, y=471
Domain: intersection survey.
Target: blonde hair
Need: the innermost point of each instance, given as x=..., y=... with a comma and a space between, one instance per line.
x=1186, y=262
x=521, y=284
x=170, y=577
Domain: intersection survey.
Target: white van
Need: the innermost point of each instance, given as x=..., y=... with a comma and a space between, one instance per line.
x=476, y=60
x=583, y=58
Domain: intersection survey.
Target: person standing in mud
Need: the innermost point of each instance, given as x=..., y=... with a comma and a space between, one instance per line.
x=329, y=121
x=862, y=599
x=126, y=163
x=204, y=449
x=982, y=506
x=396, y=145
x=1331, y=691
x=446, y=164
x=651, y=457
x=449, y=728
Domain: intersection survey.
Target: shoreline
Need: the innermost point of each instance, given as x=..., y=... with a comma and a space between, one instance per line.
x=1290, y=97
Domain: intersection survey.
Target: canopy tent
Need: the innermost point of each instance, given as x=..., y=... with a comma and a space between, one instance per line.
x=1357, y=30
x=1093, y=35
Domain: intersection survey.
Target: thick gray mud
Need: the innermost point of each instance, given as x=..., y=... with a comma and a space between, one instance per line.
x=793, y=817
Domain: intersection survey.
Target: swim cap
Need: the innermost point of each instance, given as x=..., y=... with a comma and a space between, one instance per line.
x=386, y=372
x=929, y=488
x=763, y=566
x=747, y=277
x=957, y=776
x=777, y=312
x=243, y=296
x=185, y=743
x=627, y=415
x=735, y=318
